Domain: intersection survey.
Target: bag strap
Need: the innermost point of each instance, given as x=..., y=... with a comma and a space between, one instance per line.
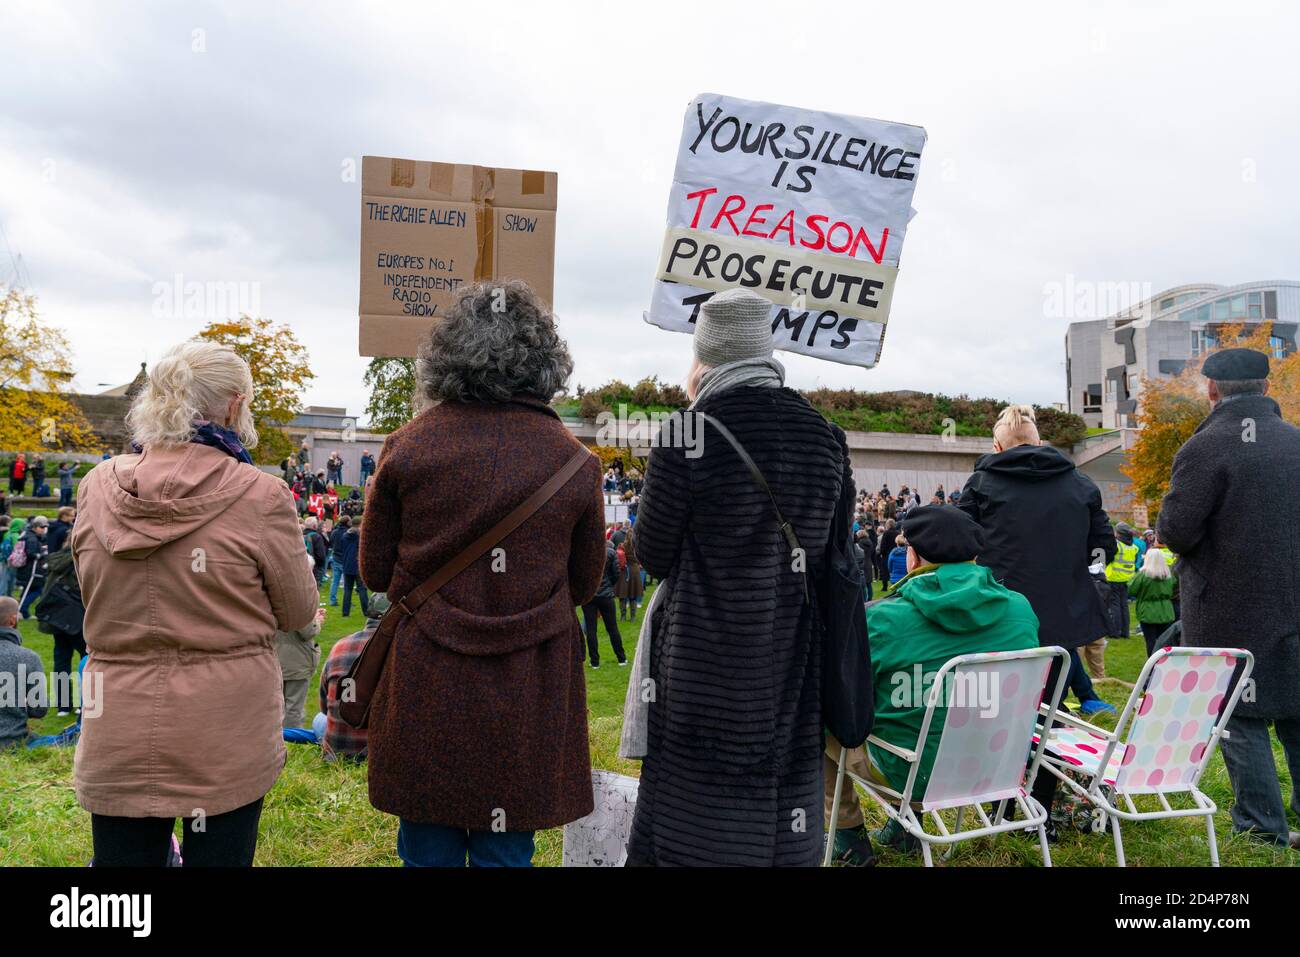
x=787, y=530
x=412, y=600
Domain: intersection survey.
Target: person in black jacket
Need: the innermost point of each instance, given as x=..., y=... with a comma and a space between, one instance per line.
x=337, y=550
x=1043, y=526
x=317, y=547
x=60, y=528
x=31, y=577
x=352, y=569
x=884, y=545
x=61, y=613
x=732, y=773
x=603, y=604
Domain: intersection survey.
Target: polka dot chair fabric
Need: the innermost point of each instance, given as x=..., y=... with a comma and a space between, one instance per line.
x=1173, y=721
x=987, y=730
x=1162, y=741
x=1083, y=750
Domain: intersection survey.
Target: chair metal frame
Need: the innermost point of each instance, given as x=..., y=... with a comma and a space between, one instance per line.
x=899, y=805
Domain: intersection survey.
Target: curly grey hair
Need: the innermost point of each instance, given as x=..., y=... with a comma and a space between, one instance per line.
x=496, y=342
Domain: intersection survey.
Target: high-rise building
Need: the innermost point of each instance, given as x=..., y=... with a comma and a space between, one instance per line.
x=1105, y=359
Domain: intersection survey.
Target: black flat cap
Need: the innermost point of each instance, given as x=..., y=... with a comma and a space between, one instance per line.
x=943, y=534
x=1230, y=365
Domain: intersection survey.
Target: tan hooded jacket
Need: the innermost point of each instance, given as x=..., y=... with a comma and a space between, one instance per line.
x=189, y=562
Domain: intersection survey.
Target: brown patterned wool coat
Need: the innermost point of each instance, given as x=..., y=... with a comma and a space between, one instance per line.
x=481, y=716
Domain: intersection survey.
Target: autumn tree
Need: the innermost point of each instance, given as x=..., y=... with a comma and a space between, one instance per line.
x=1172, y=408
x=36, y=372
x=391, y=381
x=279, y=364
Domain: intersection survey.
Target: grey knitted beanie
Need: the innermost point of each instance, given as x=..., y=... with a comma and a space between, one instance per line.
x=733, y=325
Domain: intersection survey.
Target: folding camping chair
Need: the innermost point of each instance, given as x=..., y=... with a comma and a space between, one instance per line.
x=1162, y=742
x=986, y=750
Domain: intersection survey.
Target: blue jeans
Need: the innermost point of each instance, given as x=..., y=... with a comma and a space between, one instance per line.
x=434, y=845
x=1078, y=680
x=350, y=582
x=336, y=578
x=33, y=593
x=1257, y=793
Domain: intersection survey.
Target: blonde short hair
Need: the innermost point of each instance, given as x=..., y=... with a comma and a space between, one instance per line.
x=1016, y=426
x=194, y=380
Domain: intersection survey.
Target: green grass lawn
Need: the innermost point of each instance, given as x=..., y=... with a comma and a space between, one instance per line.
x=318, y=814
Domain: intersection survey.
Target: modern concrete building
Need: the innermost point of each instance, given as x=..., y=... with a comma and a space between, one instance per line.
x=1105, y=359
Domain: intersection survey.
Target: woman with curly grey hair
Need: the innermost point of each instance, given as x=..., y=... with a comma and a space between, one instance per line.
x=478, y=728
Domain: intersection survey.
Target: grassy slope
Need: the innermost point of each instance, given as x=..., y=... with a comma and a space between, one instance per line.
x=318, y=814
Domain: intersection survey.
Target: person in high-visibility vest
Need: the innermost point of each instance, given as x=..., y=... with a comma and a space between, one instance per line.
x=1123, y=566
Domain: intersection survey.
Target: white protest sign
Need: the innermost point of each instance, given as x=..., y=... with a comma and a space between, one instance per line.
x=600, y=839
x=805, y=208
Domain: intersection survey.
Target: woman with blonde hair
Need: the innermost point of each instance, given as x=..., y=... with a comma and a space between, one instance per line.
x=1153, y=588
x=1016, y=425
x=189, y=559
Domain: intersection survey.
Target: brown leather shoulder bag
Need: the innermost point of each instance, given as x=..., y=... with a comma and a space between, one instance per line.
x=358, y=688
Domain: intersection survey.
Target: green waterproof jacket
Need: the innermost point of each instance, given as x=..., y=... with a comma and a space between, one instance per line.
x=1155, y=598
x=936, y=613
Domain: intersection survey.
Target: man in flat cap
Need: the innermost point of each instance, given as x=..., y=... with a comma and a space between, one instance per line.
x=1232, y=515
x=946, y=606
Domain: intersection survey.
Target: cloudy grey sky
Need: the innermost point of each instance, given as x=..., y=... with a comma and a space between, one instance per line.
x=1096, y=149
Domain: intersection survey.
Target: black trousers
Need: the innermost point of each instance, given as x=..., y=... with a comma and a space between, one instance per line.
x=1151, y=632
x=350, y=582
x=225, y=840
x=1117, y=609
x=64, y=646
x=605, y=607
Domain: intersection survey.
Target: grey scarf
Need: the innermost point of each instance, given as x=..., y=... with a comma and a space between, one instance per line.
x=767, y=373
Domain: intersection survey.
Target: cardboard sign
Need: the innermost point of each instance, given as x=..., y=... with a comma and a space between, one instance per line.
x=429, y=228
x=804, y=208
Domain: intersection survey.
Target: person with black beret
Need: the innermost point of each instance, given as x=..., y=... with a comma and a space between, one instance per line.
x=946, y=606
x=1232, y=515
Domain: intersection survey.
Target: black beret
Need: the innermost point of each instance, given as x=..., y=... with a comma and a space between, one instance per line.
x=1230, y=365
x=943, y=534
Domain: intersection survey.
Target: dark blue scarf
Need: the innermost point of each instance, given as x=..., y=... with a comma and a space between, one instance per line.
x=227, y=440
x=217, y=437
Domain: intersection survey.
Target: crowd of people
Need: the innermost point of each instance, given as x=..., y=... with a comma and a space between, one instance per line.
x=483, y=527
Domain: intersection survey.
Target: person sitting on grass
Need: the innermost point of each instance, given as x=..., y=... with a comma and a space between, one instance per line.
x=946, y=606
x=338, y=738
x=17, y=666
x=1153, y=589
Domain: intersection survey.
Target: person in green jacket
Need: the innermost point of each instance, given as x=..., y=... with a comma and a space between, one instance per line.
x=946, y=606
x=1153, y=588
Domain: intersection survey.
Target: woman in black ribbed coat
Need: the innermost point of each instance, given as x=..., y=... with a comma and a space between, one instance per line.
x=732, y=774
